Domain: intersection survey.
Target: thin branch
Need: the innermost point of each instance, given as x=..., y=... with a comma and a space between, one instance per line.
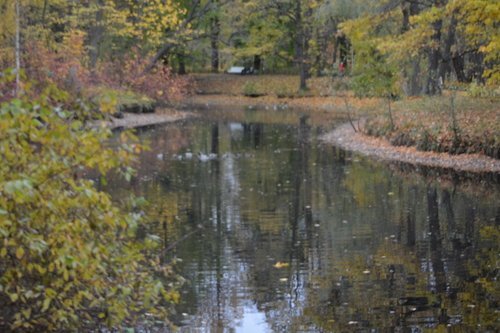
x=349, y=115
x=174, y=244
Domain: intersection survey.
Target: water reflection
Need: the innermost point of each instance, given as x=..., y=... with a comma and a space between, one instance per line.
x=360, y=247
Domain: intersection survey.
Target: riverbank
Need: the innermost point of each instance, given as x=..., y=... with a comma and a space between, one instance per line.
x=306, y=104
x=421, y=127
x=455, y=130
x=133, y=120
x=345, y=137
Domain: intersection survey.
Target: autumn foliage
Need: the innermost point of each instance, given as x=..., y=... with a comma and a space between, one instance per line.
x=130, y=73
x=70, y=259
x=69, y=256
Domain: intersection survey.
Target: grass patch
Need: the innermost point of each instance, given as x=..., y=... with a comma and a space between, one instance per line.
x=251, y=89
x=452, y=124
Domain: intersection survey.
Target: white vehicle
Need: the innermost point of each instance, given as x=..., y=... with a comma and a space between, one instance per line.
x=239, y=70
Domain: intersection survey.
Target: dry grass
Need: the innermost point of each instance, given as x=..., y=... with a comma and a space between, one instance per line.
x=432, y=124
x=276, y=92
x=264, y=85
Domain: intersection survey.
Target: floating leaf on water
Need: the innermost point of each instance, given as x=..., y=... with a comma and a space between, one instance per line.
x=280, y=264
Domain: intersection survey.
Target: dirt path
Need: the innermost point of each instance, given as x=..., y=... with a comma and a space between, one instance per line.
x=345, y=137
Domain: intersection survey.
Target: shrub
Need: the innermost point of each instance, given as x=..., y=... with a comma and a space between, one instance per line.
x=250, y=89
x=61, y=65
x=283, y=91
x=477, y=90
x=69, y=258
x=116, y=101
x=159, y=83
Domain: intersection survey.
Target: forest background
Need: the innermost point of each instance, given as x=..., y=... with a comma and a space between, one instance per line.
x=63, y=63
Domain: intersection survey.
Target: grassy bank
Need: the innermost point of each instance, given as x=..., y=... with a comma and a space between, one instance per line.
x=452, y=123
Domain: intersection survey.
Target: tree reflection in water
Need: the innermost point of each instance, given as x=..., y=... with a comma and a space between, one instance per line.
x=361, y=246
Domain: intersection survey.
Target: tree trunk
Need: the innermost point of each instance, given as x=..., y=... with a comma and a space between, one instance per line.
x=257, y=63
x=445, y=67
x=44, y=12
x=18, y=49
x=335, y=50
x=161, y=54
x=414, y=83
x=477, y=68
x=300, y=48
x=318, y=59
x=434, y=81
x=96, y=32
x=433, y=86
x=459, y=67
x=413, y=86
x=214, y=41
x=181, y=58
x=405, y=10
x=343, y=46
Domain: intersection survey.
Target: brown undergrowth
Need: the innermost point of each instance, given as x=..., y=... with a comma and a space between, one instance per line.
x=452, y=123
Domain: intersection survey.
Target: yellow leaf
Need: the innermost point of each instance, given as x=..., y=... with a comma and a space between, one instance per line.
x=26, y=313
x=46, y=304
x=3, y=252
x=19, y=252
x=13, y=297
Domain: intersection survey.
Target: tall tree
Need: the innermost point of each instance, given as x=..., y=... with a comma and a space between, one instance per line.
x=18, y=47
x=424, y=39
x=434, y=82
x=411, y=72
x=214, y=37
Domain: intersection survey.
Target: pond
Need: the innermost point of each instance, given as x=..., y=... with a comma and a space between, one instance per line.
x=275, y=231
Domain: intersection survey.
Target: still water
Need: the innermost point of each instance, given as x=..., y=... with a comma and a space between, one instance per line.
x=274, y=231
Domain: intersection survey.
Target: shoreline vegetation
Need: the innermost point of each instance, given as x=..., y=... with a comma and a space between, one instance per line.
x=454, y=130
x=423, y=133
